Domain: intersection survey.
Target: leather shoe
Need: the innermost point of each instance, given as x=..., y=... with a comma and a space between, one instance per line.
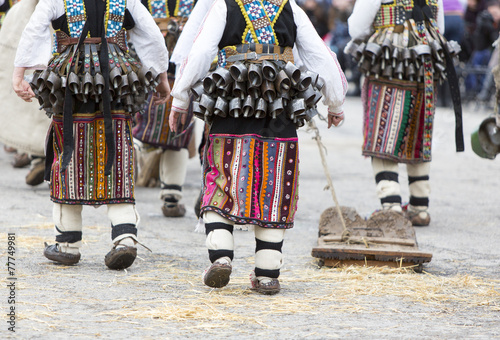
x=217, y=275
x=267, y=286
x=173, y=209
x=54, y=253
x=120, y=257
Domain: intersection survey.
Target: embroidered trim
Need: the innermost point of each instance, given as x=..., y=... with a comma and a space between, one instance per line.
x=396, y=12
x=260, y=17
x=115, y=15
x=75, y=13
x=159, y=8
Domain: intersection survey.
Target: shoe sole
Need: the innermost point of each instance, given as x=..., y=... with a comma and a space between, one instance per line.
x=62, y=259
x=267, y=291
x=218, y=277
x=120, y=258
x=174, y=211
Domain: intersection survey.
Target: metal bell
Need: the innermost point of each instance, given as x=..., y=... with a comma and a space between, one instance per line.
x=282, y=82
x=221, y=107
x=207, y=104
x=261, y=108
x=292, y=72
x=248, y=106
x=255, y=75
x=239, y=72
x=197, y=90
x=268, y=91
x=209, y=84
x=269, y=70
x=235, y=107
x=239, y=90
x=276, y=107
x=222, y=77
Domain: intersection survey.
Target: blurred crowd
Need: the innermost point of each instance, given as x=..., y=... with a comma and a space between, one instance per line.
x=474, y=24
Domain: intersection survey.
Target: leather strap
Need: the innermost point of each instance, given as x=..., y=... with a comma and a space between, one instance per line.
x=258, y=52
x=63, y=41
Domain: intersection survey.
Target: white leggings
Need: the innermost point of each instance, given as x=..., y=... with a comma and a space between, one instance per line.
x=68, y=218
x=268, y=255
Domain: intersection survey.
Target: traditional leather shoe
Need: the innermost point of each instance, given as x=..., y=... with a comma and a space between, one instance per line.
x=170, y=209
x=21, y=160
x=419, y=218
x=217, y=275
x=36, y=175
x=54, y=253
x=120, y=257
x=266, y=287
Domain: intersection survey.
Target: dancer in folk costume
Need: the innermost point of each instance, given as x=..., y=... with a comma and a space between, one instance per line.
x=152, y=128
x=22, y=125
x=180, y=52
x=399, y=47
x=90, y=89
x=254, y=102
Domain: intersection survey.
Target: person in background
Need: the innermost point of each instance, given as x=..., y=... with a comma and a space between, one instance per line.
x=152, y=129
x=398, y=98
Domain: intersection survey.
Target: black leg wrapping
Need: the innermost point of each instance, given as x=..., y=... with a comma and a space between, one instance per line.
x=214, y=255
x=260, y=245
x=68, y=236
x=272, y=273
x=120, y=229
x=218, y=225
x=171, y=186
x=386, y=176
x=419, y=201
x=391, y=199
x=412, y=179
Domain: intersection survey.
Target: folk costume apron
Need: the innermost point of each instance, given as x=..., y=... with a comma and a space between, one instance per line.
x=253, y=104
x=152, y=121
x=403, y=60
x=91, y=88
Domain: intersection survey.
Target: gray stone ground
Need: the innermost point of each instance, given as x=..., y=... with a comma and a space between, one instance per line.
x=162, y=296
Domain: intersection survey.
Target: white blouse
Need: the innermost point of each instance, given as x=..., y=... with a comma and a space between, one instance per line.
x=363, y=14
x=185, y=42
x=311, y=50
x=35, y=48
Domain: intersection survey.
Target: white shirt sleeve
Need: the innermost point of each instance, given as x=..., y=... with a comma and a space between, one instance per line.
x=360, y=23
x=147, y=38
x=201, y=55
x=440, y=17
x=185, y=41
x=317, y=57
x=35, y=47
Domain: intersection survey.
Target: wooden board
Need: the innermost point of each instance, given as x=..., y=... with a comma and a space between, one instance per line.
x=356, y=253
x=392, y=264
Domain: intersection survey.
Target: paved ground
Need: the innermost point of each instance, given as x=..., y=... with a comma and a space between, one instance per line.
x=161, y=295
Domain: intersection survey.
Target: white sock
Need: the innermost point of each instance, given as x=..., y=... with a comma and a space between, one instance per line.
x=224, y=260
x=128, y=241
x=66, y=248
